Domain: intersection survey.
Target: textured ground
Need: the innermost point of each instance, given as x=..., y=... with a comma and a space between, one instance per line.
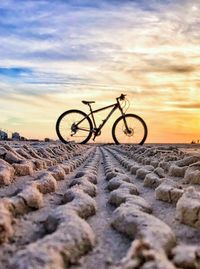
x=105, y=206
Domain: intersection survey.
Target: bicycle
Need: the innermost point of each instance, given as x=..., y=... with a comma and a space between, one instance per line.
x=77, y=126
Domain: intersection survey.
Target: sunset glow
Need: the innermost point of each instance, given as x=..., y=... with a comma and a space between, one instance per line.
x=54, y=54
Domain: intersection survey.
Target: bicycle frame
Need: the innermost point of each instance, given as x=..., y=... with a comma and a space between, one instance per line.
x=96, y=129
x=127, y=126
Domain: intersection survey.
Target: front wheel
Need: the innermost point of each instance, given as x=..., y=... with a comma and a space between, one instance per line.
x=130, y=129
x=74, y=126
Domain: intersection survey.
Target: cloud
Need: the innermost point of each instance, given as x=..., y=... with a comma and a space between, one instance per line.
x=56, y=50
x=162, y=67
x=195, y=105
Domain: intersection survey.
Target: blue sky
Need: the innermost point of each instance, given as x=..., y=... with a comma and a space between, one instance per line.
x=54, y=53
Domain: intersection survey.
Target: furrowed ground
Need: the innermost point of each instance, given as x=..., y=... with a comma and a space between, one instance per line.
x=99, y=206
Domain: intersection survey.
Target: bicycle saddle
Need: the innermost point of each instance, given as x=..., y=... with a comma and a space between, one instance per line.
x=88, y=102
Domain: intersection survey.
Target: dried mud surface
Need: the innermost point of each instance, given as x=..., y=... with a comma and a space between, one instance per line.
x=99, y=206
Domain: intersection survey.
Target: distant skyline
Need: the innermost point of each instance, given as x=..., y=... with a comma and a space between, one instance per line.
x=54, y=54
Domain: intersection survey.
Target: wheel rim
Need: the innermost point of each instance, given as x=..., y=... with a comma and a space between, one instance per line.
x=70, y=132
x=135, y=133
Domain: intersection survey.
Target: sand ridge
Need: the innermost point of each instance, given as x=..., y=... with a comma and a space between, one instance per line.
x=106, y=206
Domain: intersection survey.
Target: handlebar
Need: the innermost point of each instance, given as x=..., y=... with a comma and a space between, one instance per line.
x=121, y=97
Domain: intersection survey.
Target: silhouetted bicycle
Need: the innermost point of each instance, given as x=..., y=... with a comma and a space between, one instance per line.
x=77, y=126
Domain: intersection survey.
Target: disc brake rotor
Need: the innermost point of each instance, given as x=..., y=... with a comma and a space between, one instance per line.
x=129, y=132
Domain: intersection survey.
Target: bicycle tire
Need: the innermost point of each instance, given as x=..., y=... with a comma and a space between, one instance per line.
x=137, y=118
x=58, y=122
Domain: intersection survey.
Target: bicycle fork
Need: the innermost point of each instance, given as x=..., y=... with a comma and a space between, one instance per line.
x=125, y=123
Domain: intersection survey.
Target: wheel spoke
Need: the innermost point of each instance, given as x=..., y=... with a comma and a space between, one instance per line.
x=73, y=126
x=136, y=132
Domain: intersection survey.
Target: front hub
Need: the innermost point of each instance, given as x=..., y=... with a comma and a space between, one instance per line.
x=129, y=132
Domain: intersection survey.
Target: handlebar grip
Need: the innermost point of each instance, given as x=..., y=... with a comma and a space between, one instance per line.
x=122, y=96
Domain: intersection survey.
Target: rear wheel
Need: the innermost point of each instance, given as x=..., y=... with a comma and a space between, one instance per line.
x=74, y=126
x=135, y=132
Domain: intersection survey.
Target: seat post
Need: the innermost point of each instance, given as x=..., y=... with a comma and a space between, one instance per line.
x=90, y=107
x=92, y=116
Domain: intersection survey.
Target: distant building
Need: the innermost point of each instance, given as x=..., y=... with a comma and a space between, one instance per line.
x=48, y=139
x=3, y=135
x=195, y=142
x=16, y=136
x=22, y=138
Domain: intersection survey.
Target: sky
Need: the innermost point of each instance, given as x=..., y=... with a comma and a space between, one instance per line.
x=53, y=54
